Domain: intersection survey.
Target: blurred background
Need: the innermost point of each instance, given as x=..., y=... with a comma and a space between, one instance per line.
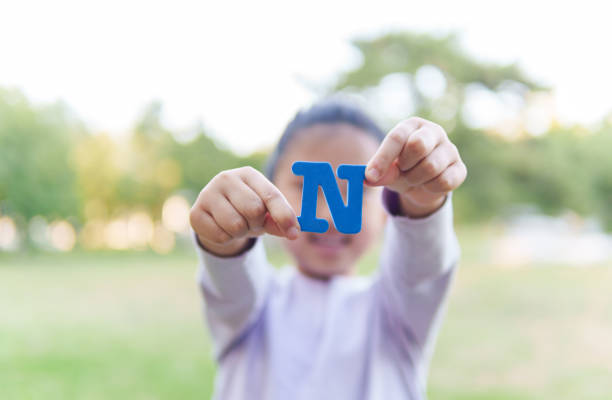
x=114, y=115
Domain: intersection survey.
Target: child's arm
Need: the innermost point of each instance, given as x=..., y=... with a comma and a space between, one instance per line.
x=419, y=167
x=230, y=212
x=233, y=290
x=418, y=260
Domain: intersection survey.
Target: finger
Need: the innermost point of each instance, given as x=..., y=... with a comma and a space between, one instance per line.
x=248, y=204
x=276, y=204
x=230, y=220
x=205, y=226
x=390, y=149
x=388, y=178
x=419, y=145
x=449, y=180
x=272, y=227
x=432, y=165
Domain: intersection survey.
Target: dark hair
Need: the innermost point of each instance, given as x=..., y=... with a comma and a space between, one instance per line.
x=324, y=112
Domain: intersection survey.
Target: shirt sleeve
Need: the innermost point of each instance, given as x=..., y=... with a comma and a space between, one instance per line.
x=418, y=260
x=234, y=290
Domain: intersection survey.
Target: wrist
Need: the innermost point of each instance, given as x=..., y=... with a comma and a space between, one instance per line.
x=232, y=248
x=412, y=209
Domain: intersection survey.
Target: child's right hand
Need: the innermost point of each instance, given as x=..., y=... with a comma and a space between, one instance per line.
x=239, y=204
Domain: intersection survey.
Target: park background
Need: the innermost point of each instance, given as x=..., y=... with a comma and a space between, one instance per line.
x=114, y=116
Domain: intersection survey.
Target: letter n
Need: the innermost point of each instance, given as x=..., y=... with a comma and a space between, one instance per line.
x=347, y=218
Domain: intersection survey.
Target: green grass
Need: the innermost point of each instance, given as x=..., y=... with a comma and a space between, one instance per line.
x=107, y=328
x=99, y=326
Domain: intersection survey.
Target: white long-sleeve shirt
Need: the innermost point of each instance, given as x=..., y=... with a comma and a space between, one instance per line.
x=279, y=334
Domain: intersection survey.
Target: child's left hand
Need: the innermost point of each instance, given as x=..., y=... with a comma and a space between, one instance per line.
x=418, y=161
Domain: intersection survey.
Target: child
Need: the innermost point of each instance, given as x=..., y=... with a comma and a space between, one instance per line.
x=316, y=330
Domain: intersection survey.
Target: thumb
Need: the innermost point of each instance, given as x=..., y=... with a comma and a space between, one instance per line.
x=271, y=227
x=389, y=177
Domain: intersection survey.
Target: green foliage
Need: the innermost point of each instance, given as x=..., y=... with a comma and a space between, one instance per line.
x=196, y=162
x=555, y=172
x=50, y=166
x=36, y=174
x=406, y=52
x=563, y=169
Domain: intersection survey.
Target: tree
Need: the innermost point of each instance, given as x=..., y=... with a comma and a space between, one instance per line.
x=36, y=173
x=559, y=170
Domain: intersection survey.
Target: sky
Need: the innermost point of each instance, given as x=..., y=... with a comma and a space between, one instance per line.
x=244, y=68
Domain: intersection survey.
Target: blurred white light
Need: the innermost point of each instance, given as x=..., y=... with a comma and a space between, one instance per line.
x=539, y=113
x=116, y=234
x=92, y=236
x=513, y=100
x=482, y=107
x=175, y=214
x=62, y=234
x=8, y=234
x=518, y=88
x=430, y=81
x=139, y=229
x=163, y=240
x=393, y=97
x=445, y=108
x=38, y=229
x=187, y=134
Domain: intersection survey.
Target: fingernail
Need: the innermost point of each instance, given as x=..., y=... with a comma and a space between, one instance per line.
x=372, y=174
x=292, y=233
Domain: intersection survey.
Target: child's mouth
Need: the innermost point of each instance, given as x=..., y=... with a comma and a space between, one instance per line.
x=329, y=244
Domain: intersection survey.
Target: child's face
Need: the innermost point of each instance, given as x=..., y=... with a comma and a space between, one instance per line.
x=323, y=255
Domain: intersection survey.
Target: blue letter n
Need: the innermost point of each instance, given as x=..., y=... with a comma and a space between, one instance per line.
x=347, y=218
